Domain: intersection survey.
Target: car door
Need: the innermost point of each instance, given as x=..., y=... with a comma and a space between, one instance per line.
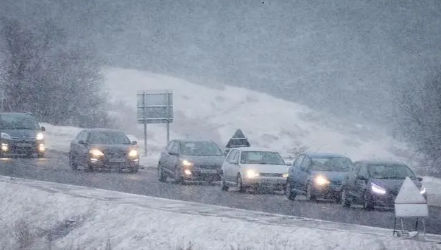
x=83, y=149
x=351, y=178
x=361, y=182
x=74, y=147
x=164, y=158
x=295, y=171
x=173, y=157
x=235, y=165
x=226, y=168
x=304, y=173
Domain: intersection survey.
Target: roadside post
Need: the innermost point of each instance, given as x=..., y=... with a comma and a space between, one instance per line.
x=410, y=204
x=154, y=107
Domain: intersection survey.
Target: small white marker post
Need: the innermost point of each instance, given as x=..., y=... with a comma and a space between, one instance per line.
x=410, y=204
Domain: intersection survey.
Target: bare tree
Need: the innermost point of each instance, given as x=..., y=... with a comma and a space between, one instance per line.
x=421, y=122
x=45, y=74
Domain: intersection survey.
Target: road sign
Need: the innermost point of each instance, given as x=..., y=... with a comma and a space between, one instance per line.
x=238, y=140
x=410, y=203
x=154, y=107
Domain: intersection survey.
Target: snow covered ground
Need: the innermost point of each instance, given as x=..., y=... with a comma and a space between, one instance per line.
x=89, y=218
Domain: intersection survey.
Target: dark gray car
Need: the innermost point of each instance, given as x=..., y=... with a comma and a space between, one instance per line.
x=376, y=183
x=21, y=135
x=191, y=160
x=103, y=149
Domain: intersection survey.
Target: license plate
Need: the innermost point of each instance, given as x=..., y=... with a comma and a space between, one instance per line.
x=117, y=160
x=208, y=171
x=23, y=144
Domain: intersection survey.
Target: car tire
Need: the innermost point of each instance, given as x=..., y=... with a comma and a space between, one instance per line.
x=345, y=201
x=224, y=186
x=162, y=176
x=134, y=170
x=72, y=164
x=309, y=195
x=40, y=155
x=288, y=192
x=240, y=187
x=177, y=176
x=367, y=202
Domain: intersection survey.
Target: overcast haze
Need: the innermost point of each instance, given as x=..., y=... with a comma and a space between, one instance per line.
x=348, y=57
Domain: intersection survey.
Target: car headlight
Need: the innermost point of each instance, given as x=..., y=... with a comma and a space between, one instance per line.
x=252, y=173
x=133, y=153
x=422, y=190
x=5, y=136
x=321, y=180
x=377, y=189
x=285, y=175
x=186, y=163
x=96, y=152
x=39, y=136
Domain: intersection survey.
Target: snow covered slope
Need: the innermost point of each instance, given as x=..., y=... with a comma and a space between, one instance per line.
x=88, y=218
x=267, y=121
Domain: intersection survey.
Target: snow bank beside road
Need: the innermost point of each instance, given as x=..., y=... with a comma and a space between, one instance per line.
x=139, y=222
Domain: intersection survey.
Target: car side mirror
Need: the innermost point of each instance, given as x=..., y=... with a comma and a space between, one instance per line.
x=82, y=142
x=420, y=178
x=173, y=153
x=43, y=128
x=288, y=164
x=361, y=178
x=134, y=143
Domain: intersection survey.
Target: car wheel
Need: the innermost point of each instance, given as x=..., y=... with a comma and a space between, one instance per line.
x=40, y=155
x=134, y=169
x=72, y=164
x=240, y=184
x=367, y=202
x=178, y=177
x=288, y=192
x=345, y=201
x=309, y=195
x=224, y=186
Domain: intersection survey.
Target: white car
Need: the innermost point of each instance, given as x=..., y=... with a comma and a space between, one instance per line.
x=247, y=167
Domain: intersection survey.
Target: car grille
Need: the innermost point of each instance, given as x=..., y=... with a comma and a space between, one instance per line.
x=115, y=153
x=209, y=166
x=337, y=183
x=271, y=175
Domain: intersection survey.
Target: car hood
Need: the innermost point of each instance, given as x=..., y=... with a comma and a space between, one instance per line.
x=331, y=175
x=204, y=160
x=113, y=147
x=393, y=185
x=21, y=133
x=267, y=168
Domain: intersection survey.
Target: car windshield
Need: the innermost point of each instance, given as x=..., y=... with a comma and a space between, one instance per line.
x=18, y=121
x=390, y=171
x=200, y=149
x=331, y=163
x=108, y=138
x=261, y=157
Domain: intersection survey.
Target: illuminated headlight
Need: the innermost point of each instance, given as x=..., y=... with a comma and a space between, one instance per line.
x=186, y=163
x=5, y=136
x=252, y=173
x=187, y=172
x=285, y=175
x=96, y=152
x=41, y=147
x=377, y=189
x=39, y=136
x=133, y=153
x=4, y=147
x=422, y=190
x=321, y=180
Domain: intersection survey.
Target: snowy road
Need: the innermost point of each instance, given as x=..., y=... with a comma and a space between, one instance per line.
x=54, y=169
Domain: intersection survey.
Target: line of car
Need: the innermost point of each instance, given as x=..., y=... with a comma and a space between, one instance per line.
x=368, y=183
x=314, y=175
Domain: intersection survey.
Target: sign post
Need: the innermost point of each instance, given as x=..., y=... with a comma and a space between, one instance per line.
x=154, y=107
x=410, y=204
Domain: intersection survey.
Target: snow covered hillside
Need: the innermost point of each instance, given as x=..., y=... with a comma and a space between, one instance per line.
x=269, y=122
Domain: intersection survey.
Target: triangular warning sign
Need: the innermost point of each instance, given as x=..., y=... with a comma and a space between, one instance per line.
x=238, y=140
x=409, y=194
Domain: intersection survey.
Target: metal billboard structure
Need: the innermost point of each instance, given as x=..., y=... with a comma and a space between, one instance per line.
x=154, y=107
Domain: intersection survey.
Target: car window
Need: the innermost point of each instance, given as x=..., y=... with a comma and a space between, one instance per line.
x=108, y=137
x=331, y=163
x=298, y=161
x=79, y=135
x=389, y=171
x=175, y=147
x=200, y=148
x=305, y=163
x=261, y=157
x=18, y=121
x=170, y=145
x=230, y=155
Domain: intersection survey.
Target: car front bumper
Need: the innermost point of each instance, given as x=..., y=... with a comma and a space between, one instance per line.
x=120, y=163
x=21, y=147
x=265, y=182
x=331, y=191
x=200, y=174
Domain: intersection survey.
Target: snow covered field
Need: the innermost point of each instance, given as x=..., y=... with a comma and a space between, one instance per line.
x=89, y=218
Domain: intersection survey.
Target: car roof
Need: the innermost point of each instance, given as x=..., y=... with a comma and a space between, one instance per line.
x=194, y=140
x=386, y=162
x=247, y=149
x=324, y=154
x=102, y=130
